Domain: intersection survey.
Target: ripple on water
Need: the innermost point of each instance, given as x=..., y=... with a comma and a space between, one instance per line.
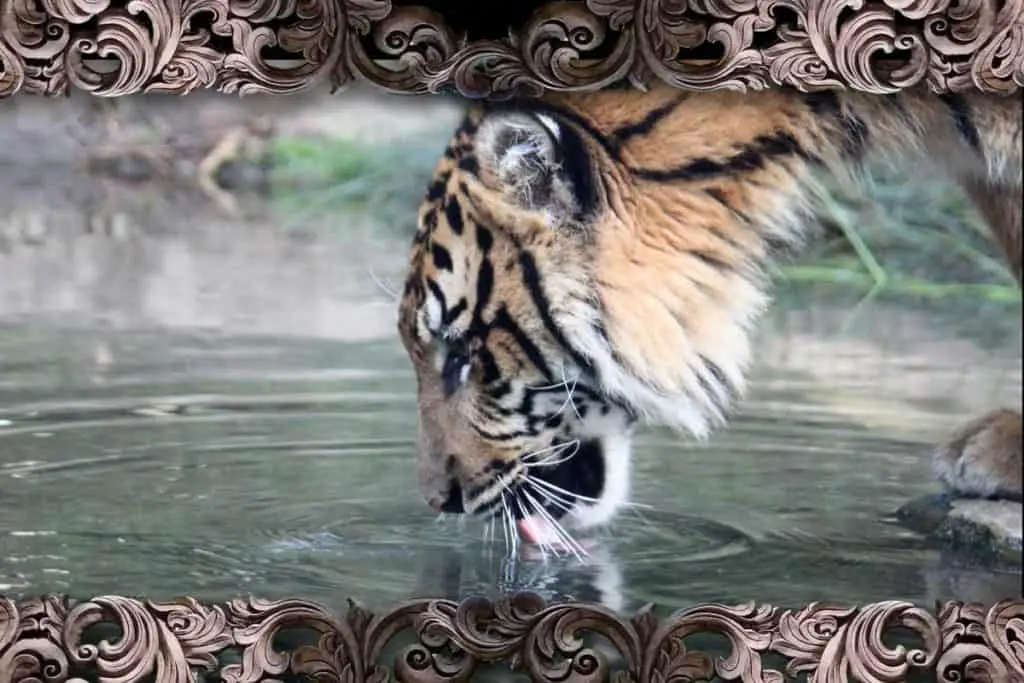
x=221, y=497
x=310, y=491
x=459, y=557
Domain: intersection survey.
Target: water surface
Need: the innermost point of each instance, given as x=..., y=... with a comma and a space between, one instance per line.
x=197, y=403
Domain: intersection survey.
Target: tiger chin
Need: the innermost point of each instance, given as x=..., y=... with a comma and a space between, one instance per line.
x=587, y=261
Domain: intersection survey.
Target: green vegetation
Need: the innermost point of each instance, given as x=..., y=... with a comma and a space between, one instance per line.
x=340, y=175
x=910, y=237
x=903, y=237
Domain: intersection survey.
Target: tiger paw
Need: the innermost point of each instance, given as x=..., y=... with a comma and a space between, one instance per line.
x=977, y=521
x=983, y=458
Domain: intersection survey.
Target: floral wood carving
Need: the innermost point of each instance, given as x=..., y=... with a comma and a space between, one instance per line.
x=121, y=47
x=56, y=640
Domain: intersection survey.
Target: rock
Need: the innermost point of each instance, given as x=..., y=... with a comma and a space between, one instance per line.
x=992, y=530
x=925, y=514
x=989, y=532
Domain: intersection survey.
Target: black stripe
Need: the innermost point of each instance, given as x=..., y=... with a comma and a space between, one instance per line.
x=500, y=390
x=575, y=160
x=710, y=259
x=484, y=239
x=413, y=290
x=494, y=412
x=504, y=321
x=439, y=295
x=647, y=124
x=468, y=125
x=453, y=214
x=430, y=220
x=778, y=246
x=526, y=405
x=484, y=289
x=719, y=376
x=752, y=157
x=455, y=311
x=857, y=134
x=532, y=280
x=601, y=332
x=490, y=372
x=961, y=114
x=470, y=165
x=435, y=190
x=494, y=506
x=827, y=105
x=442, y=257
x=718, y=195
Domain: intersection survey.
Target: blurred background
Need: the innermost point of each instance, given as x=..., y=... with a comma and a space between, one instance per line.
x=202, y=390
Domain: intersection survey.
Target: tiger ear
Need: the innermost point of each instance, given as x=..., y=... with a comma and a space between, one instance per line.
x=538, y=162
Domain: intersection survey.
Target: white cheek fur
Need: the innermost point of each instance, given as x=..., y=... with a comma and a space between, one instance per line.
x=616, y=440
x=432, y=310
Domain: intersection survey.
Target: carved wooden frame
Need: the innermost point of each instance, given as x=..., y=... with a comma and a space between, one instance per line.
x=122, y=47
x=47, y=639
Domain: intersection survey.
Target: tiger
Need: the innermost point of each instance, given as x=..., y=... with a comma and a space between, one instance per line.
x=585, y=262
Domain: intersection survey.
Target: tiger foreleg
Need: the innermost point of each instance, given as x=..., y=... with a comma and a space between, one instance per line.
x=983, y=458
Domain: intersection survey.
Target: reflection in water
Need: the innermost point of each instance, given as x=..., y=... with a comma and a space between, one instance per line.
x=195, y=404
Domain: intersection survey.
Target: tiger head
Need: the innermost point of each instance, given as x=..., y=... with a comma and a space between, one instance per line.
x=552, y=301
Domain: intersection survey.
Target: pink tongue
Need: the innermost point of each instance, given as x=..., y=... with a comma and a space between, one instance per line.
x=537, y=530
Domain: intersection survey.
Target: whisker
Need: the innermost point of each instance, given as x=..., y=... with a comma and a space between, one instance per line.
x=541, y=451
x=571, y=543
x=569, y=392
x=548, y=462
x=559, y=529
x=499, y=522
x=558, y=489
x=393, y=293
x=635, y=509
x=585, y=499
x=544, y=545
x=551, y=387
x=523, y=510
x=509, y=523
x=548, y=496
x=552, y=452
x=561, y=532
x=564, y=384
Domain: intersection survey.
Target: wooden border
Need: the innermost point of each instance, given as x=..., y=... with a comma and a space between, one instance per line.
x=47, y=639
x=122, y=47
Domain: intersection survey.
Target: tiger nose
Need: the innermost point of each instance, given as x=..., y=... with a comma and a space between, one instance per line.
x=450, y=502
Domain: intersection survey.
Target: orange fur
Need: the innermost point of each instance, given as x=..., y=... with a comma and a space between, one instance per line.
x=626, y=236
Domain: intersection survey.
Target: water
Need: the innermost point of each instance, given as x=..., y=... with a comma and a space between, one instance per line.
x=192, y=403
